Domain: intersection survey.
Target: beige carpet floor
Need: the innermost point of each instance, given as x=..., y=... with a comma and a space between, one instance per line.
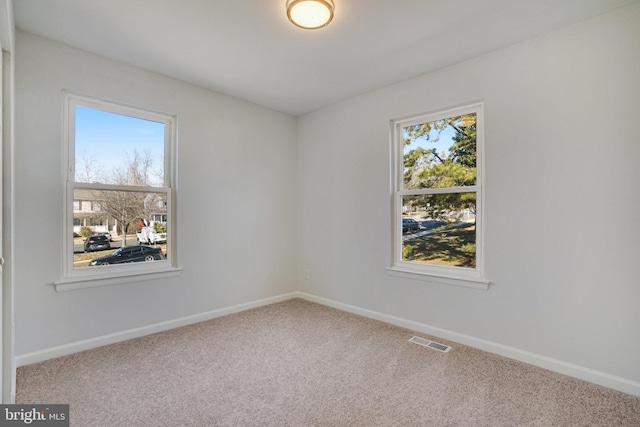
x=298, y=363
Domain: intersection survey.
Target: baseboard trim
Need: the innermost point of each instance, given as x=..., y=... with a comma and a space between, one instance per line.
x=63, y=350
x=610, y=381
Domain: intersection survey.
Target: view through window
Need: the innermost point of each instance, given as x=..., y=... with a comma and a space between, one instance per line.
x=119, y=184
x=437, y=192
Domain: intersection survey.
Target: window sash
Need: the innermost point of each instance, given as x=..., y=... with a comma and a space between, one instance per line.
x=443, y=190
x=73, y=100
x=116, y=270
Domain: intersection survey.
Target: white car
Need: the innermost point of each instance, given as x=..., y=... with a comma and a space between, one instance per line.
x=150, y=236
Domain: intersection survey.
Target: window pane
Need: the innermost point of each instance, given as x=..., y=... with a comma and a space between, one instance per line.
x=127, y=217
x=440, y=229
x=440, y=154
x=116, y=149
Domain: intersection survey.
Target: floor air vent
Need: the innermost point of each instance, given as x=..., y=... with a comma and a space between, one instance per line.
x=431, y=344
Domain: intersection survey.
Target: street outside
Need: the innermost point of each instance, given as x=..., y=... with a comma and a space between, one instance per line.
x=78, y=243
x=82, y=258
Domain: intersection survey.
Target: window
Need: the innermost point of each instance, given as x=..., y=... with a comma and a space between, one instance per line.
x=437, y=197
x=119, y=176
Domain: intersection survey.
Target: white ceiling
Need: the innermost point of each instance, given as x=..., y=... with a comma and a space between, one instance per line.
x=248, y=49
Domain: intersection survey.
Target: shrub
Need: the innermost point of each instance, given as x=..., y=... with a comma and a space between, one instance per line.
x=85, y=231
x=159, y=227
x=468, y=248
x=407, y=252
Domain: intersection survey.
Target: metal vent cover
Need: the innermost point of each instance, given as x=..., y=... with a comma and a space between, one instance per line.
x=431, y=344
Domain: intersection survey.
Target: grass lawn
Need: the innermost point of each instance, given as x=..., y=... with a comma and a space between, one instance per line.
x=453, y=245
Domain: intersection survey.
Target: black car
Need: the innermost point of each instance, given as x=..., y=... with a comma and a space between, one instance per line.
x=409, y=225
x=97, y=242
x=130, y=254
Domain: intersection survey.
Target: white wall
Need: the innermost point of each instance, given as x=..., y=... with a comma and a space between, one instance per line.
x=562, y=197
x=236, y=197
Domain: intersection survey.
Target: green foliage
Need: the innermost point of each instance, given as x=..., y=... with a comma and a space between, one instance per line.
x=469, y=248
x=85, y=231
x=426, y=168
x=159, y=227
x=407, y=252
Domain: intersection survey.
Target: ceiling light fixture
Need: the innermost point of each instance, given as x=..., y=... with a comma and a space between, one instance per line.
x=310, y=14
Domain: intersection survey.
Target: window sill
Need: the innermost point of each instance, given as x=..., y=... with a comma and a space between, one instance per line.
x=466, y=282
x=74, y=283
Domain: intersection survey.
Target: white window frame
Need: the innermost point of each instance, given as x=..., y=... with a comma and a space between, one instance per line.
x=115, y=274
x=448, y=275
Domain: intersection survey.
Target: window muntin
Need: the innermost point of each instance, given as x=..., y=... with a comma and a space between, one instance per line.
x=438, y=184
x=119, y=174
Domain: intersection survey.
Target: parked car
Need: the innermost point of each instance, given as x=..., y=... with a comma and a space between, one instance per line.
x=151, y=236
x=129, y=254
x=105, y=233
x=96, y=243
x=410, y=225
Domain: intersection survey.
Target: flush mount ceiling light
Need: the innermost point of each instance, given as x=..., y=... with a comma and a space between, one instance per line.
x=310, y=14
